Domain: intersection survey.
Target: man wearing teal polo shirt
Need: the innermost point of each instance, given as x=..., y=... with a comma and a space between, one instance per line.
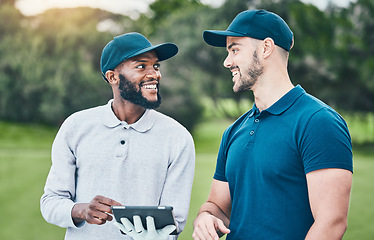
x=284, y=168
x=123, y=152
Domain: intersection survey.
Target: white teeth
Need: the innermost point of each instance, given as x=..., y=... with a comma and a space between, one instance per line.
x=235, y=73
x=150, y=86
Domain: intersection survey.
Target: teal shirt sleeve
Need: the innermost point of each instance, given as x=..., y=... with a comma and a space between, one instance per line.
x=326, y=142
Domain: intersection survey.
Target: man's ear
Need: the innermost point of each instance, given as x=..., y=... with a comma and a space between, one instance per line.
x=268, y=47
x=110, y=76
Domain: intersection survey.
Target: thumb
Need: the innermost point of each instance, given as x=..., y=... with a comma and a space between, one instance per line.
x=222, y=228
x=167, y=230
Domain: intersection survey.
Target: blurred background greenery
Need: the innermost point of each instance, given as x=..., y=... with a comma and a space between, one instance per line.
x=49, y=68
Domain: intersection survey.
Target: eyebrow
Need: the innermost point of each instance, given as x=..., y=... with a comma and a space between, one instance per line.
x=232, y=45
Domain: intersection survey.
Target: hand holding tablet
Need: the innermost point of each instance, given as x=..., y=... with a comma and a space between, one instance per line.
x=159, y=221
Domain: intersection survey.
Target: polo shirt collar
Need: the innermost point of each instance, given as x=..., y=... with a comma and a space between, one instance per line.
x=254, y=111
x=286, y=101
x=282, y=104
x=145, y=123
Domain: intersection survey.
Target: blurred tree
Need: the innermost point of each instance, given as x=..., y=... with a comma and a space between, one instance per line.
x=12, y=41
x=159, y=12
x=49, y=65
x=163, y=8
x=354, y=59
x=10, y=18
x=50, y=68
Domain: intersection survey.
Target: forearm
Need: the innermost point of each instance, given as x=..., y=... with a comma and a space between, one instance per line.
x=330, y=230
x=329, y=192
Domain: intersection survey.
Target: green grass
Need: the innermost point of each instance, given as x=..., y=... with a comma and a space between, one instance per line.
x=361, y=212
x=25, y=161
x=24, y=165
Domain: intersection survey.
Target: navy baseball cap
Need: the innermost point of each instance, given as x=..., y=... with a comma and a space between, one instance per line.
x=258, y=24
x=130, y=45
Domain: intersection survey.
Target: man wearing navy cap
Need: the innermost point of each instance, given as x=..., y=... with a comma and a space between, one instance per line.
x=122, y=153
x=284, y=168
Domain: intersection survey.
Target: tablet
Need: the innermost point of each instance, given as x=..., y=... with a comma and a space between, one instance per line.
x=163, y=215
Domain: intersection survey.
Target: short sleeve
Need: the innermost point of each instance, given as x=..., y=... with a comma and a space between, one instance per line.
x=220, y=173
x=326, y=142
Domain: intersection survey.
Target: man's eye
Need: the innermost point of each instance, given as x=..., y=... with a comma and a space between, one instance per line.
x=234, y=51
x=140, y=66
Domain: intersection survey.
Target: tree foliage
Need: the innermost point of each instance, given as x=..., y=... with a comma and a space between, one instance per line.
x=49, y=64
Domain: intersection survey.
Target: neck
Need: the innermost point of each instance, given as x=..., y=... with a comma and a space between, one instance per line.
x=270, y=88
x=127, y=111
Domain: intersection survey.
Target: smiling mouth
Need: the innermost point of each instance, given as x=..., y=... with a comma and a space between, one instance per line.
x=150, y=86
x=235, y=73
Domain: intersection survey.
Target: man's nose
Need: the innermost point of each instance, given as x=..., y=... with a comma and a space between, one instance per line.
x=154, y=73
x=228, y=61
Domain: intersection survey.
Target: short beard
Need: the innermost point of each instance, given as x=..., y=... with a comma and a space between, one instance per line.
x=254, y=72
x=130, y=93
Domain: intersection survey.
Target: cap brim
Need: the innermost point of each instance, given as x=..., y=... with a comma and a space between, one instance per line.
x=218, y=38
x=163, y=51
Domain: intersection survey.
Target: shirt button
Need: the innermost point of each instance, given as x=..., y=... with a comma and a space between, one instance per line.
x=122, y=142
x=257, y=120
x=252, y=132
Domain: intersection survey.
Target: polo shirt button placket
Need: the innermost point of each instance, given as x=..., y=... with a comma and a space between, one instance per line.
x=125, y=132
x=122, y=147
x=253, y=131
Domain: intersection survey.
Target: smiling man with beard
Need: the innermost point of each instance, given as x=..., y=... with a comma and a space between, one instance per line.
x=284, y=168
x=122, y=153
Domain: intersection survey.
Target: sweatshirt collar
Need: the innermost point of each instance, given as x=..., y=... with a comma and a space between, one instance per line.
x=144, y=124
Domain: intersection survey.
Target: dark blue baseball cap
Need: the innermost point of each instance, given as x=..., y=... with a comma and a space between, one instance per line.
x=258, y=24
x=130, y=45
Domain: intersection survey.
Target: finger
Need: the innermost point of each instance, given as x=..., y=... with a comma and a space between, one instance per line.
x=206, y=231
x=167, y=230
x=95, y=213
x=106, y=201
x=121, y=227
x=128, y=226
x=195, y=236
x=150, y=224
x=205, y=234
x=104, y=204
x=94, y=220
x=222, y=228
x=109, y=217
x=212, y=234
x=138, y=224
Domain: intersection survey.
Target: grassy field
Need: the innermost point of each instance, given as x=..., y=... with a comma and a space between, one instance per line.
x=25, y=161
